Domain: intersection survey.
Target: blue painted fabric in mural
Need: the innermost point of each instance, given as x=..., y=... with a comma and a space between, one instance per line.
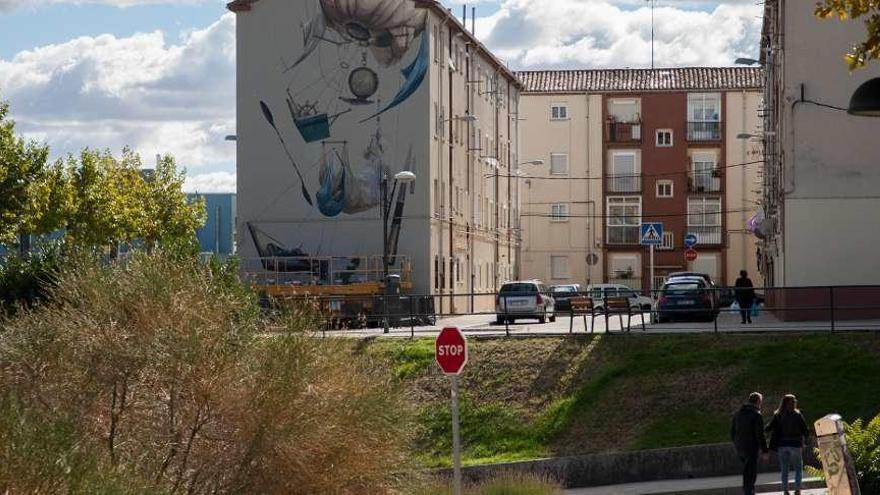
x=331, y=195
x=414, y=74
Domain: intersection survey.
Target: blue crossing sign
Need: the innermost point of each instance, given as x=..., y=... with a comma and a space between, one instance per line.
x=690, y=240
x=652, y=234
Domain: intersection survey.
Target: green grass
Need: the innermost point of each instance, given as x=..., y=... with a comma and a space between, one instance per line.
x=628, y=392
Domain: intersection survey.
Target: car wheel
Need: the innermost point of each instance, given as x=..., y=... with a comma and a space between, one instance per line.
x=553, y=317
x=543, y=318
x=499, y=320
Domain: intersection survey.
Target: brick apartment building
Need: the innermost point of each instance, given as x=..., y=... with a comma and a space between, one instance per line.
x=639, y=145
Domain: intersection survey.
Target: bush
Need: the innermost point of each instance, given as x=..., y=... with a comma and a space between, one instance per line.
x=25, y=281
x=509, y=484
x=157, y=376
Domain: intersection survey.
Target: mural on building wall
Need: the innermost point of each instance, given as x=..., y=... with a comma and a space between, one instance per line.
x=358, y=62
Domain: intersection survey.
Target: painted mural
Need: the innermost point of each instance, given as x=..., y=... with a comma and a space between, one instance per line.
x=343, y=83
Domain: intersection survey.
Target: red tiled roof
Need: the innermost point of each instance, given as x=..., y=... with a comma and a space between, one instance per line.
x=641, y=80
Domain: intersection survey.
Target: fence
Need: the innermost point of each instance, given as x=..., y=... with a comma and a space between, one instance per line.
x=836, y=308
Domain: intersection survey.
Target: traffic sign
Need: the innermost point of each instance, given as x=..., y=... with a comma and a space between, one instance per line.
x=652, y=234
x=451, y=351
x=690, y=240
x=690, y=254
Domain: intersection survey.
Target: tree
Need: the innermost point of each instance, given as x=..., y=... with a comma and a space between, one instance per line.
x=170, y=218
x=866, y=50
x=22, y=167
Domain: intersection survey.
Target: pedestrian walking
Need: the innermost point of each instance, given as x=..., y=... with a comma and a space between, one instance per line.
x=747, y=433
x=745, y=296
x=788, y=432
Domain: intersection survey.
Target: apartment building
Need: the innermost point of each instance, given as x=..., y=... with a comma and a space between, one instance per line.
x=821, y=181
x=334, y=100
x=631, y=145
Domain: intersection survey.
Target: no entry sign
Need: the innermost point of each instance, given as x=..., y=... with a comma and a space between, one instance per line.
x=451, y=351
x=690, y=255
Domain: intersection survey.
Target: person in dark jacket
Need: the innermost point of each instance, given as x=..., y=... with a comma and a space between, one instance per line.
x=788, y=431
x=747, y=433
x=745, y=296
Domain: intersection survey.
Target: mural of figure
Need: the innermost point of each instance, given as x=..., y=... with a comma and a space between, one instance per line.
x=348, y=189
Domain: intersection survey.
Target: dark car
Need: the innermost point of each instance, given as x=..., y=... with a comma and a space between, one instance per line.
x=720, y=296
x=686, y=298
x=563, y=294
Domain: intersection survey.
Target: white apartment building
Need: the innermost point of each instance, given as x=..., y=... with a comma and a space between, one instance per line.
x=333, y=96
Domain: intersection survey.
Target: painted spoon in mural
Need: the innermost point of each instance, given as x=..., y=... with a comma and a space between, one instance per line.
x=271, y=120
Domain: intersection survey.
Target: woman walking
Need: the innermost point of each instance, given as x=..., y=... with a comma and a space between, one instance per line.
x=788, y=431
x=745, y=296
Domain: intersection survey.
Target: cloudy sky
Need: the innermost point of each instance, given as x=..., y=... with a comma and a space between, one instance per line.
x=158, y=75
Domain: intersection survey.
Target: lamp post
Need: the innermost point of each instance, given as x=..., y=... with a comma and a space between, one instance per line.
x=405, y=177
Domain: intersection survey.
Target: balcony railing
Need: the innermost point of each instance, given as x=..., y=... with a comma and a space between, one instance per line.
x=623, y=132
x=628, y=183
x=706, y=235
x=623, y=234
x=704, y=181
x=704, y=131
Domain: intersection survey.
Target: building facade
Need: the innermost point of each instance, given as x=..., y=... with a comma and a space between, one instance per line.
x=336, y=97
x=821, y=180
x=625, y=146
x=217, y=236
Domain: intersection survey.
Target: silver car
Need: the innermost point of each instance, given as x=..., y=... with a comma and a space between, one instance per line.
x=600, y=292
x=524, y=299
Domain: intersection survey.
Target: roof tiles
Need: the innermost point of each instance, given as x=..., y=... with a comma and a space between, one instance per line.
x=641, y=80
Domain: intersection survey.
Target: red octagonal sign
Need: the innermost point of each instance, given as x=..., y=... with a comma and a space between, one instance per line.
x=451, y=351
x=690, y=255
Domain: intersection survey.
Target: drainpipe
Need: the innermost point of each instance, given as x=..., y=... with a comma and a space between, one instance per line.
x=744, y=214
x=453, y=261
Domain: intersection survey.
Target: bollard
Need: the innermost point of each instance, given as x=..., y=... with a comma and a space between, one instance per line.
x=840, y=473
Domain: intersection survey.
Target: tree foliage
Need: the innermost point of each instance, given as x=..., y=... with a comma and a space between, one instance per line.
x=98, y=199
x=868, y=49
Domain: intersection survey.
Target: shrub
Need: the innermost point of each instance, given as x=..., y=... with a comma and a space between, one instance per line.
x=25, y=281
x=160, y=373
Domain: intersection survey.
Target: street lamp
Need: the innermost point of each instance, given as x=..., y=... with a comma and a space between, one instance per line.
x=746, y=135
x=746, y=61
x=865, y=102
x=232, y=137
x=405, y=177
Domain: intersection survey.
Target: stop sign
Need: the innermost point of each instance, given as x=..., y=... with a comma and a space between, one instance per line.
x=451, y=351
x=690, y=255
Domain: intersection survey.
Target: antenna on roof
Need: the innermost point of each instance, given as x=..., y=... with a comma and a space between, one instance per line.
x=474, y=21
x=652, y=32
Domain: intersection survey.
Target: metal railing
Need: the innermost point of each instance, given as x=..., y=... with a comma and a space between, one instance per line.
x=704, y=131
x=627, y=234
x=314, y=270
x=623, y=132
x=708, y=181
x=628, y=183
x=800, y=309
x=707, y=235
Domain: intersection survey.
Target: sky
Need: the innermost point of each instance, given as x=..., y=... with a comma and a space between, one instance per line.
x=159, y=75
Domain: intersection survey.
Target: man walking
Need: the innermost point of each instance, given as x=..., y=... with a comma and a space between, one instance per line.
x=747, y=433
x=745, y=296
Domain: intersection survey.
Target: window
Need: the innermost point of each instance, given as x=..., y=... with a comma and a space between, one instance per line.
x=437, y=44
x=437, y=198
x=704, y=117
x=558, y=163
x=704, y=173
x=664, y=138
x=559, y=212
x=624, y=220
x=704, y=219
x=559, y=111
x=559, y=267
x=668, y=241
x=664, y=189
x=624, y=110
x=624, y=174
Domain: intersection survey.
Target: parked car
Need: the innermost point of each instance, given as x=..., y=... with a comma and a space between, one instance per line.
x=685, y=298
x=599, y=292
x=720, y=296
x=524, y=299
x=562, y=295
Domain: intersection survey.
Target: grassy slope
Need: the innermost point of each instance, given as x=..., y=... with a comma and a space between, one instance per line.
x=523, y=399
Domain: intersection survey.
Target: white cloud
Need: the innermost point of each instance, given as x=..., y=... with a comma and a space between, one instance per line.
x=217, y=182
x=108, y=92
x=8, y=5
x=594, y=33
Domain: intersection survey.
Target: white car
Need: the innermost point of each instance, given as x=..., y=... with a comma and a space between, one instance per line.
x=600, y=292
x=524, y=299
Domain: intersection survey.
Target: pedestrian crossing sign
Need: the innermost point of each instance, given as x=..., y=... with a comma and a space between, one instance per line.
x=652, y=234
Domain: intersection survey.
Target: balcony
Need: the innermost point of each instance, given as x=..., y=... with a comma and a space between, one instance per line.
x=706, y=235
x=623, y=234
x=623, y=183
x=704, y=181
x=704, y=131
x=623, y=132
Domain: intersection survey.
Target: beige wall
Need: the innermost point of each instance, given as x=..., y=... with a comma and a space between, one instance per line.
x=580, y=137
x=830, y=229
x=743, y=182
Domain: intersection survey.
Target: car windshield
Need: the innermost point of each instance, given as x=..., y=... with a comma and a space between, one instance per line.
x=682, y=289
x=519, y=289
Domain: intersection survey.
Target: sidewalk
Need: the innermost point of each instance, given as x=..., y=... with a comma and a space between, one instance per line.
x=706, y=486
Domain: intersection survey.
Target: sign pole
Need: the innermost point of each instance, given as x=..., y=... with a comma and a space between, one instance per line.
x=456, y=440
x=651, y=283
